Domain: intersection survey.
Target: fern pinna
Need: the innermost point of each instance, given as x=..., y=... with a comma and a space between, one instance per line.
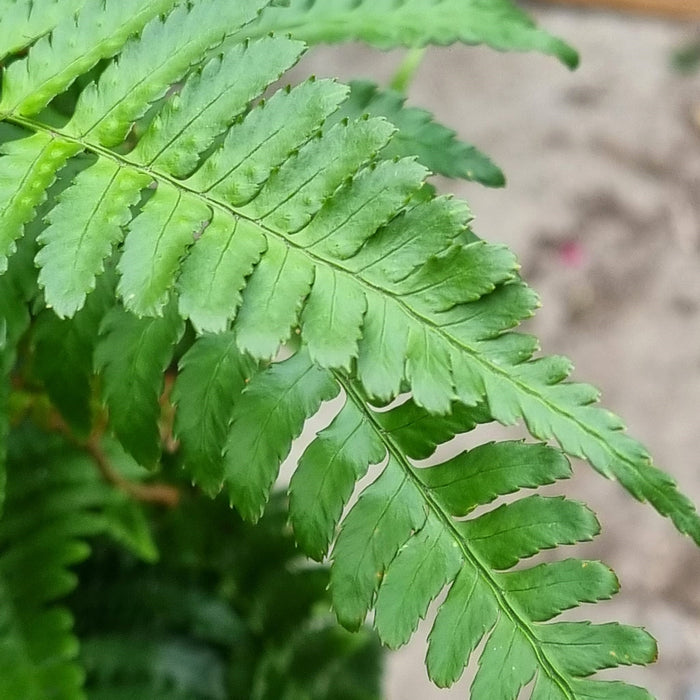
x=155, y=208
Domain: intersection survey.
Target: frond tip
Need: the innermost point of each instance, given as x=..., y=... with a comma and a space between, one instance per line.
x=406, y=540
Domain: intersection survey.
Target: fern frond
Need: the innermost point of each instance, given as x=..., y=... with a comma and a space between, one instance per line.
x=406, y=539
x=260, y=219
x=387, y=24
x=435, y=145
x=54, y=502
x=422, y=301
x=132, y=356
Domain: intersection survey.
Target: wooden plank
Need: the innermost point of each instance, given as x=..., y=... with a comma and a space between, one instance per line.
x=689, y=9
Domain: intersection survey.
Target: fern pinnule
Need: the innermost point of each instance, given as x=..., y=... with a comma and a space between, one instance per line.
x=23, y=22
x=275, y=402
x=211, y=376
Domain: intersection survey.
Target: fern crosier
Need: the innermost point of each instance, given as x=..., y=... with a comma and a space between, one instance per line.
x=186, y=197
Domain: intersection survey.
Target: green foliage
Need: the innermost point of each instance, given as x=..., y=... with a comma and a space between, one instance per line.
x=55, y=500
x=212, y=621
x=192, y=226
x=386, y=24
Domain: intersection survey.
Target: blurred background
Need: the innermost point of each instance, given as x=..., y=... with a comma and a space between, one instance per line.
x=602, y=206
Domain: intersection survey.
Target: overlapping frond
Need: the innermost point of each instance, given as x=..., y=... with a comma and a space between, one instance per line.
x=387, y=24
x=54, y=502
x=435, y=145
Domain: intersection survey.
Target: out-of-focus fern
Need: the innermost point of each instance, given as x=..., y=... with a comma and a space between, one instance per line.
x=55, y=501
x=213, y=621
x=185, y=229
x=387, y=24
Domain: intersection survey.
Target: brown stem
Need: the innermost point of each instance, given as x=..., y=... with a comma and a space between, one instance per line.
x=163, y=494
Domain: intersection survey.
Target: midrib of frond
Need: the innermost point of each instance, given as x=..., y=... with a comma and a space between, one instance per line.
x=472, y=557
x=487, y=365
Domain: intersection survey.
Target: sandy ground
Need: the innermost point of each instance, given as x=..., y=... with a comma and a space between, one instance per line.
x=603, y=208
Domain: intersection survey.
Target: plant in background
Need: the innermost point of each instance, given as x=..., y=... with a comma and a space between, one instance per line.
x=164, y=233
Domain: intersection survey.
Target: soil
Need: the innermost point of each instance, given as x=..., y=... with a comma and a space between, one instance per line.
x=603, y=208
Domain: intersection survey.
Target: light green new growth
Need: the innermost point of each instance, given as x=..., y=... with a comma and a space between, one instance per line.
x=387, y=24
x=188, y=223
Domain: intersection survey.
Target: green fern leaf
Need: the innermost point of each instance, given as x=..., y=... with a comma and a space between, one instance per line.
x=418, y=432
x=480, y=475
x=270, y=414
x=149, y=65
x=545, y=590
x=215, y=272
x=212, y=374
x=163, y=231
x=83, y=227
x=272, y=301
x=118, y=106
x=23, y=21
x=388, y=24
x=383, y=519
x=99, y=30
x=132, y=355
x=261, y=219
x=38, y=158
x=210, y=101
x=435, y=145
x=400, y=546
